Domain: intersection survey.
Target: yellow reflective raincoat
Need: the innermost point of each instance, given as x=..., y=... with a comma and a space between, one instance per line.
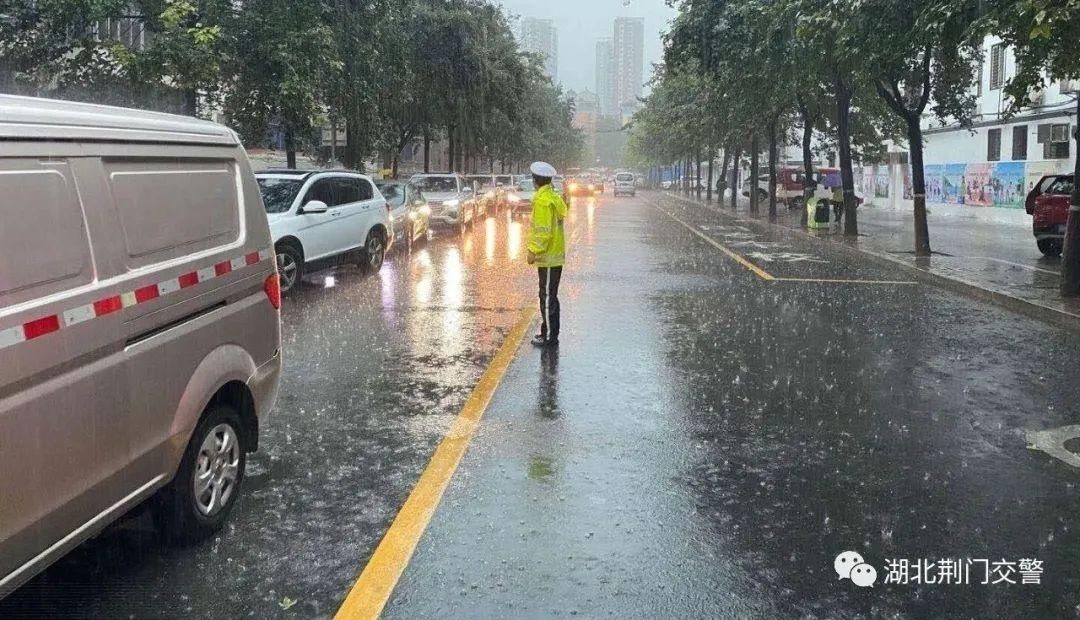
x=547, y=240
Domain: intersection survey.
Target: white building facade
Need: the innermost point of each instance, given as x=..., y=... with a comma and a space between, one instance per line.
x=996, y=162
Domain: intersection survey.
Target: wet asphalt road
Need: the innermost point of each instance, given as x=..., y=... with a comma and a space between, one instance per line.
x=703, y=444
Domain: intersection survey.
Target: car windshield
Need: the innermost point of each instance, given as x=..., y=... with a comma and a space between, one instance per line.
x=624, y=177
x=436, y=184
x=526, y=185
x=278, y=194
x=394, y=193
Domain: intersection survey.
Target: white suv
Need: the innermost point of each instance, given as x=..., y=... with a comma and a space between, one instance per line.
x=323, y=218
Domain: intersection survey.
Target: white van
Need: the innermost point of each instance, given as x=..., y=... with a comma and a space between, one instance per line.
x=140, y=347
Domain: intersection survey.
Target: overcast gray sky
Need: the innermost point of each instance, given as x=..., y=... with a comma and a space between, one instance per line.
x=581, y=22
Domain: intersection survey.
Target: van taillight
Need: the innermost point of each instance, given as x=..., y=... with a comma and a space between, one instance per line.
x=272, y=287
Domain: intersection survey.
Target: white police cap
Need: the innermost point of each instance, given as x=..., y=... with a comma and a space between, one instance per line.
x=543, y=169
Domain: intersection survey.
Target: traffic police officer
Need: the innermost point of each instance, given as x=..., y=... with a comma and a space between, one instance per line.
x=547, y=250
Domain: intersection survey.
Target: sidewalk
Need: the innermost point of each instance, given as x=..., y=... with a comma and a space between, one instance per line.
x=978, y=253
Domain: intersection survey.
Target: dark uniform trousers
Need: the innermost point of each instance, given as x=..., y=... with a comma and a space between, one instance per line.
x=549, y=301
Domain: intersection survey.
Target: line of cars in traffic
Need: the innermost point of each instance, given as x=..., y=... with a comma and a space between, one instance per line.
x=323, y=218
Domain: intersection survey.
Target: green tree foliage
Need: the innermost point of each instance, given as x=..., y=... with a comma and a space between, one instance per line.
x=391, y=70
x=283, y=51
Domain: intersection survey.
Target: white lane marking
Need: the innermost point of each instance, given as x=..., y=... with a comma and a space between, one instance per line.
x=1052, y=441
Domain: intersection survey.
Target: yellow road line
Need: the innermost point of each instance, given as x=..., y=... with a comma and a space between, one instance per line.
x=839, y=281
x=376, y=583
x=758, y=271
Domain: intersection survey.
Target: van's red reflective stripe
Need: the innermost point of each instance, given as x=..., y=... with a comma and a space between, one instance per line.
x=77, y=315
x=146, y=293
x=188, y=279
x=108, y=305
x=42, y=326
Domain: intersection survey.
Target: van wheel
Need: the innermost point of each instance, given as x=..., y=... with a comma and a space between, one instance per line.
x=1049, y=247
x=374, y=252
x=290, y=265
x=197, y=502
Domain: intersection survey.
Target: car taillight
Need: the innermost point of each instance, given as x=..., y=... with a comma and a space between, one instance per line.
x=272, y=288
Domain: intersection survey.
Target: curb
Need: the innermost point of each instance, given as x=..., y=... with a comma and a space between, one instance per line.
x=1032, y=309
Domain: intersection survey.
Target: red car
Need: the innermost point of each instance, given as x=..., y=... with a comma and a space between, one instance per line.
x=1048, y=205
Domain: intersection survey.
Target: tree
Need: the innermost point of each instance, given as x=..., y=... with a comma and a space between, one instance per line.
x=1045, y=36
x=917, y=54
x=284, y=51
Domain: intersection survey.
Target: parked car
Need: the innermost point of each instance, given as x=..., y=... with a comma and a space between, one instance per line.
x=520, y=199
x=323, y=218
x=490, y=194
x=409, y=211
x=1048, y=204
x=624, y=184
x=140, y=343
x=450, y=197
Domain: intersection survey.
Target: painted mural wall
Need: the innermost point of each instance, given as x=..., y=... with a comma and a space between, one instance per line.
x=1002, y=184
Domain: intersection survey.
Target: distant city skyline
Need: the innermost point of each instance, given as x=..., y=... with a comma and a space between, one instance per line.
x=582, y=23
x=540, y=36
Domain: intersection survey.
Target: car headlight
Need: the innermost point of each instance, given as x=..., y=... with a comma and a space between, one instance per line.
x=425, y=210
x=452, y=203
x=412, y=215
x=513, y=198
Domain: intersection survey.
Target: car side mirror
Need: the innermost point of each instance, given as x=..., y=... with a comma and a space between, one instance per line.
x=315, y=206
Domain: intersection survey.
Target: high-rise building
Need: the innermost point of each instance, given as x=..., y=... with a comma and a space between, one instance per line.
x=628, y=53
x=605, y=77
x=540, y=37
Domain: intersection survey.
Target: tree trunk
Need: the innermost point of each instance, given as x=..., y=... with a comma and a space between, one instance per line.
x=772, y=170
x=843, y=128
x=918, y=186
x=697, y=176
x=754, y=164
x=191, y=102
x=333, y=141
x=452, y=147
x=807, y=159
x=709, y=183
x=1070, y=255
x=723, y=174
x=427, y=152
x=394, y=168
x=735, y=178
x=290, y=148
x=352, y=157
